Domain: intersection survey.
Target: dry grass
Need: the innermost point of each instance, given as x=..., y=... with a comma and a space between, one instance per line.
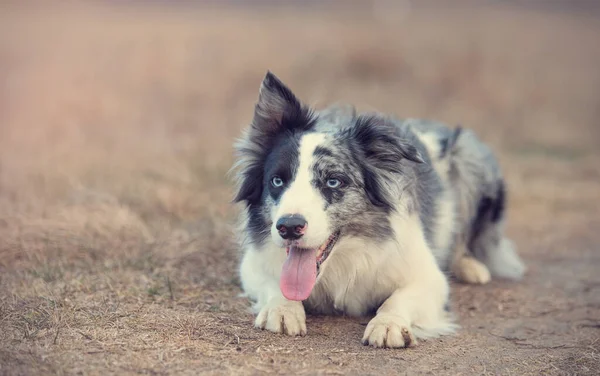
x=116, y=125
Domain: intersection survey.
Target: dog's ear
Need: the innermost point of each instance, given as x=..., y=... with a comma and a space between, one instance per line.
x=278, y=109
x=381, y=143
x=383, y=149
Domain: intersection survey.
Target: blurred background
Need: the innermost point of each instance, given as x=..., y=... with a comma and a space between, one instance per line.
x=117, y=120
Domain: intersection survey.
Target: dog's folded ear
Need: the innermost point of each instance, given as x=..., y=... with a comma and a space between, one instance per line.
x=381, y=143
x=383, y=149
x=278, y=108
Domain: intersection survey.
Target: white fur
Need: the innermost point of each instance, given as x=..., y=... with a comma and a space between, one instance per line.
x=432, y=143
x=499, y=257
x=260, y=272
x=304, y=199
x=470, y=270
x=401, y=273
x=447, y=225
x=467, y=269
x=400, y=276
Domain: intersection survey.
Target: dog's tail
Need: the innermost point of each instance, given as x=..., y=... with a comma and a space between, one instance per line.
x=504, y=262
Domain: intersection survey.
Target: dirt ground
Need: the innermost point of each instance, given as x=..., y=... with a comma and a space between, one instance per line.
x=116, y=127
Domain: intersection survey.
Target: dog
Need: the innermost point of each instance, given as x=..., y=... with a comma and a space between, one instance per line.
x=357, y=214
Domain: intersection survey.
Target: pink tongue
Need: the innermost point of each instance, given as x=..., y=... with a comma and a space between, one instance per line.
x=299, y=273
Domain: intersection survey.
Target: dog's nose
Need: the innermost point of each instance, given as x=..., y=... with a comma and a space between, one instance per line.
x=291, y=227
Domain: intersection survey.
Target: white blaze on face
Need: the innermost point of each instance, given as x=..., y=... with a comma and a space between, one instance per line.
x=302, y=198
x=299, y=271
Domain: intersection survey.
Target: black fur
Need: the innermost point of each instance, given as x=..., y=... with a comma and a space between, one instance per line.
x=258, y=227
x=293, y=116
x=380, y=150
x=382, y=144
x=322, y=152
x=279, y=120
x=499, y=203
x=489, y=210
x=278, y=114
x=331, y=195
x=282, y=161
x=481, y=218
x=376, y=146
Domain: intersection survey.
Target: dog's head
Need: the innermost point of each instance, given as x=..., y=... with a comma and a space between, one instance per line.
x=308, y=180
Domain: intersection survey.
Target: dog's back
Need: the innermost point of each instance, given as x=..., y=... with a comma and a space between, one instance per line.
x=471, y=171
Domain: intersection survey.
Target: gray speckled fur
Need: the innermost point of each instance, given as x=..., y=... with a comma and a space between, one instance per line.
x=476, y=179
x=404, y=200
x=473, y=175
x=419, y=180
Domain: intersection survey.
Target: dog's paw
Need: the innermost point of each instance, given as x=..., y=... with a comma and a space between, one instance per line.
x=282, y=317
x=386, y=330
x=470, y=270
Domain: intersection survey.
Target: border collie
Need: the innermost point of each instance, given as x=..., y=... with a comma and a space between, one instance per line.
x=356, y=214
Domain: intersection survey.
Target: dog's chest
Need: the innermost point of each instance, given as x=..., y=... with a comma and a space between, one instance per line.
x=341, y=302
x=355, y=284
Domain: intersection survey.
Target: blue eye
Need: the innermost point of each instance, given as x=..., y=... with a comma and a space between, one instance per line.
x=333, y=183
x=277, y=182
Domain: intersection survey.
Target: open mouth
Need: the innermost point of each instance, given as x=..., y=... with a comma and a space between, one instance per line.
x=300, y=269
x=324, y=250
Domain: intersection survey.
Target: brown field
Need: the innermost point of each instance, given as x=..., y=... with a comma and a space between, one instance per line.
x=116, y=126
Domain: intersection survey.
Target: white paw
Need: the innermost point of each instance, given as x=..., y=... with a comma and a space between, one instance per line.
x=282, y=316
x=386, y=330
x=470, y=270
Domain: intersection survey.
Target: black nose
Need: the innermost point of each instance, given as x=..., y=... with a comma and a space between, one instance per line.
x=291, y=227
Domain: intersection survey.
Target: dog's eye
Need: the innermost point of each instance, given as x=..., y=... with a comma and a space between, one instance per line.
x=333, y=183
x=277, y=181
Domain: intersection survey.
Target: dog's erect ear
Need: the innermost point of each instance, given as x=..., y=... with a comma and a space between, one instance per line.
x=277, y=111
x=278, y=108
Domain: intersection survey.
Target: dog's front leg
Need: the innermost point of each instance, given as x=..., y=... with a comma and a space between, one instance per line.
x=413, y=311
x=280, y=315
x=259, y=275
